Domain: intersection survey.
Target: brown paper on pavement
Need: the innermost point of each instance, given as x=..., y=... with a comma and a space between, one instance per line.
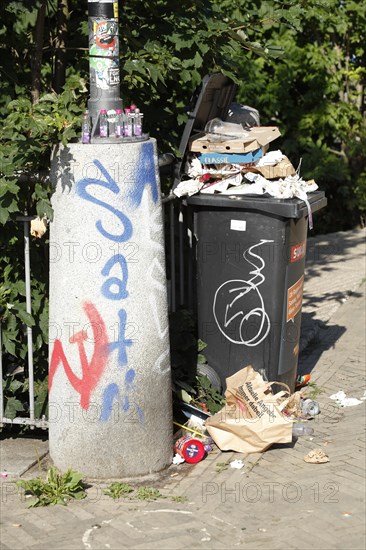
x=256, y=137
x=252, y=419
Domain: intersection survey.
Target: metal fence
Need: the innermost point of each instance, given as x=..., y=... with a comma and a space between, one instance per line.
x=30, y=420
x=178, y=238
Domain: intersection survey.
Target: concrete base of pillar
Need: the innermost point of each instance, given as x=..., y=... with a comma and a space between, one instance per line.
x=110, y=412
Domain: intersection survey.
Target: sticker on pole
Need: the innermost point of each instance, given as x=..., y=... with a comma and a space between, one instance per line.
x=294, y=299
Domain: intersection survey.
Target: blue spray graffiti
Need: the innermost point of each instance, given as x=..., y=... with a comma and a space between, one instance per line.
x=121, y=284
x=145, y=176
x=121, y=343
x=115, y=288
x=110, y=184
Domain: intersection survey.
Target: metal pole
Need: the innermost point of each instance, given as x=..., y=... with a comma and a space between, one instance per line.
x=172, y=256
x=29, y=310
x=181, y=255
x=103, y=57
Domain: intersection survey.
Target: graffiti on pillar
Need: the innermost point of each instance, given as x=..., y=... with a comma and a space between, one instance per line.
x=146, y=176
x=91, y=370
x=120, y=392
x=114, y=288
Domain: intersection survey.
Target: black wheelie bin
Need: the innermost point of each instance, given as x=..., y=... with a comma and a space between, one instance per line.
x=249, y=259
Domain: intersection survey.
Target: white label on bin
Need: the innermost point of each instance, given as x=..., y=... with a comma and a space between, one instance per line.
x=238, y=225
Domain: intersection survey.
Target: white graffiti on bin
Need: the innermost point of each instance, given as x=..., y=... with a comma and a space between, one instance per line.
x=238, y=305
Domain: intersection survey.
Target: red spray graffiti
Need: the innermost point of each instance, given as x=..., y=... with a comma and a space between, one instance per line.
x=91, y=372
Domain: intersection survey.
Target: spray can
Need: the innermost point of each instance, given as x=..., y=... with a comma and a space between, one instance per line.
x=191, y=449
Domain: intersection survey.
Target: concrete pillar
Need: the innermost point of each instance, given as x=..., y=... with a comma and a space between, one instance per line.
x=110, y=412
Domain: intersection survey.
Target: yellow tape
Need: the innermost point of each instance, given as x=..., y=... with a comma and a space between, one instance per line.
x=189, y=429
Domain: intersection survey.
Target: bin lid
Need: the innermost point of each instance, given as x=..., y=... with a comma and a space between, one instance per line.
x=286, y=208
x=211, y=100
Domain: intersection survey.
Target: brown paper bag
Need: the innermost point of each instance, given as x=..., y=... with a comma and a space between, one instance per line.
x=252, y=419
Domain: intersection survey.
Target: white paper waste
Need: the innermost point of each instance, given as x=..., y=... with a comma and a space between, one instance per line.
x=237, y=464
x=222, y=185
x=188, y=187
x=344, y=401
x=177, y=459
x=271, y=158
x=282, y=188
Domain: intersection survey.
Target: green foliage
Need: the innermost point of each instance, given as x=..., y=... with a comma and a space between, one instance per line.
x=28, y=134
x=206, y=396
x=57, y=489
x=148, y=493
x=316, y=95
x=179, y=498
x=222, y=466
x=313, y=391
x=117, y=490
x=13, y=390
x=201, y=359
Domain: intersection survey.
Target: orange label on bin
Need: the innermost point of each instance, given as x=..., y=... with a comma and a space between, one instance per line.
x=294, y=299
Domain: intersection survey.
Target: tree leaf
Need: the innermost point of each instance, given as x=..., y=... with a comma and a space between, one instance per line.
x=26, y=317
x=12, y=407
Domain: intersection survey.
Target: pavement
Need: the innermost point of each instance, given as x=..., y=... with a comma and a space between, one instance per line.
x=277, y=499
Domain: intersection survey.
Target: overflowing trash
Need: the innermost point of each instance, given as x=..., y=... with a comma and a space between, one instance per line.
x=251, y=419
x=192, y=442
x=232, y=160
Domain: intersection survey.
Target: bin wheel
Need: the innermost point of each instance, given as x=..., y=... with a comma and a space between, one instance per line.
x=214, y=378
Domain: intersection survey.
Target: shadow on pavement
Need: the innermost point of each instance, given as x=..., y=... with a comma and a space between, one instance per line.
x=324, y=338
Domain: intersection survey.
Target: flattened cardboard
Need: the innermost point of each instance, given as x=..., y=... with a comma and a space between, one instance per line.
x=230, y=158
x=258, y=136
x=282, y=169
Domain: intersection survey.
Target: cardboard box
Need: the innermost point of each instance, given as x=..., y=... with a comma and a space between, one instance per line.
x=254, y=138
x=230, y=158
x=282, y=169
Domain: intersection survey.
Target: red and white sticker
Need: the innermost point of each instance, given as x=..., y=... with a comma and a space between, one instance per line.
x=298, y=251
x=294, y=299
